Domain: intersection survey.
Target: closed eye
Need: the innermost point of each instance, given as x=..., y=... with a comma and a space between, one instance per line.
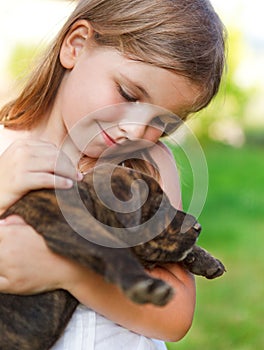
x=126, y=96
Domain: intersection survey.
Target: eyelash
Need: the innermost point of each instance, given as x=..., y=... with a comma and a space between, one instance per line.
x=126, y=96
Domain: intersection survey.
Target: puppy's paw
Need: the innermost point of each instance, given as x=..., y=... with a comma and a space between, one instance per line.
x=152, y=291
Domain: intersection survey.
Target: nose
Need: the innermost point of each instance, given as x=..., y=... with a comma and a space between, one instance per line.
x=197, y=227
x=133, y=130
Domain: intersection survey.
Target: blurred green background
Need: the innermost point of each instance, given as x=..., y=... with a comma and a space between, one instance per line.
x=230, y=310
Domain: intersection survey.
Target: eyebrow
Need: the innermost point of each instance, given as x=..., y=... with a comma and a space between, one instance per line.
x=140, y=88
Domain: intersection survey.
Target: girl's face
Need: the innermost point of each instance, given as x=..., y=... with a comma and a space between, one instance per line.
x=107, y=100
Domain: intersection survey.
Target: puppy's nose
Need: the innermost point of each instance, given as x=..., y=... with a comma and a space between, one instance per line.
x=197, y=227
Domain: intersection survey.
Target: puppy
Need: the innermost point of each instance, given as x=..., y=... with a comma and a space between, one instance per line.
x=100, y=234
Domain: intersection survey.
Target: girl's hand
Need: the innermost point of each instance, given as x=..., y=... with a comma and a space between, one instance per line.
x=30, y=164
x=27, y=266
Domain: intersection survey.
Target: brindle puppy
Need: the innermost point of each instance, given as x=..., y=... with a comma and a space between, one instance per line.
x=116, y=245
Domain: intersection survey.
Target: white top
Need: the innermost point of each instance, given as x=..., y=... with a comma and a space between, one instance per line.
x=88, y=330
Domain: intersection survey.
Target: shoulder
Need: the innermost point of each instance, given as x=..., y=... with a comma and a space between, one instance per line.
x=8, y=136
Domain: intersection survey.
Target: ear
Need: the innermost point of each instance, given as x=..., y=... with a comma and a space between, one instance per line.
x=74, y=43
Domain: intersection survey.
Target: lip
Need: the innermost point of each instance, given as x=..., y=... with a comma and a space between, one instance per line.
x=108, y=139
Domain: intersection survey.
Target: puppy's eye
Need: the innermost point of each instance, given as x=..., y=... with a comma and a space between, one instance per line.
x=158, y=122
x=166, y=123
x=171, y=127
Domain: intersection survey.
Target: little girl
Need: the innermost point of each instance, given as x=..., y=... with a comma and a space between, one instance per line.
x=168, y=54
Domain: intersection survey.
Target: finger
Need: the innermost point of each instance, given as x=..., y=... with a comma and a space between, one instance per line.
x=46, y=180
x=12, y=220
x=65, y=167
x=41, y=156
x=47, y=158
x=3, y=284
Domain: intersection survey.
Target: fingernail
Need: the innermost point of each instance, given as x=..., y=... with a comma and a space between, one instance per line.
x=79, y=176
x=2, y=221
x=69, y=183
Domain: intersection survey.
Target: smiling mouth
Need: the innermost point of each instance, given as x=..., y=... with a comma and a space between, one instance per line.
x=108, y=139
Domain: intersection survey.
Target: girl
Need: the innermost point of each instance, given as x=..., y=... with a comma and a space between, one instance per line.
x=164, y=53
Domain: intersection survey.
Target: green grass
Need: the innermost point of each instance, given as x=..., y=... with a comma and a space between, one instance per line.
x=230, y=310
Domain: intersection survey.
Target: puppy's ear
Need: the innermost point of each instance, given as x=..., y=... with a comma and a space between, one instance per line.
x=75, y=42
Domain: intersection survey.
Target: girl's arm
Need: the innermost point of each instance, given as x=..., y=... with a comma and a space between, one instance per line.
x=169, y=323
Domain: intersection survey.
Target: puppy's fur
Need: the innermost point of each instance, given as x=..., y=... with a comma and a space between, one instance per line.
x=154, y=234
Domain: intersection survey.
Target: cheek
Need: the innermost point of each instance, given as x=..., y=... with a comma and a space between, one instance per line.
x=88, y=97
x=74, y=102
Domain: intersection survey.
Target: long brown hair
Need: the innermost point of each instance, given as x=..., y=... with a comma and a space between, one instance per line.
x=185, y=36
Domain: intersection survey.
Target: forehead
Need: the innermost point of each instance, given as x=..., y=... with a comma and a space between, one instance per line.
x=165, y=88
